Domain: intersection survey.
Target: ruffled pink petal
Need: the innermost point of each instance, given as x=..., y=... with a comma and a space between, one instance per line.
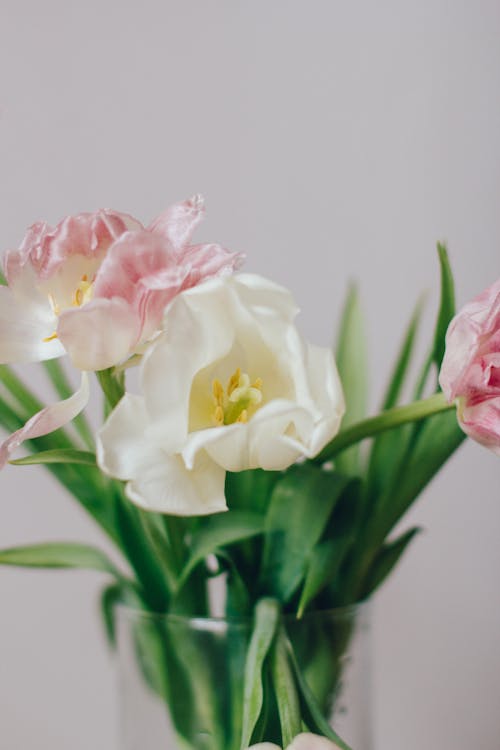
x=100, y=334
x=208, y=260
x=142, y=269
x=481, y=422
x=178, y=222
x=86, y=234
x=47, y=420
x=23, y=330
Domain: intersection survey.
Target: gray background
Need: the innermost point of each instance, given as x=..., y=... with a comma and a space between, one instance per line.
x=332, y=140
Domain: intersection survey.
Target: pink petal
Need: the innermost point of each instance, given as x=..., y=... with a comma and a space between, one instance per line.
x=481, y=422
x=178, y=222
x=210, y=260
x=141, y=268
x=99, y=334
x=87, y=234
x=47, y=420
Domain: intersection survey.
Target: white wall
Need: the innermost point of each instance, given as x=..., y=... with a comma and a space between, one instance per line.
x=331, y=140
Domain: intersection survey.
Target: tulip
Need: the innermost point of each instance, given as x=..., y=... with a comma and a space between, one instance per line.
x=470, y=372
x=304, y=741
x=229, y=385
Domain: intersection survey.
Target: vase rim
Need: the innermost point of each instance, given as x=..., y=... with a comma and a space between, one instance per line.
x=201, y=621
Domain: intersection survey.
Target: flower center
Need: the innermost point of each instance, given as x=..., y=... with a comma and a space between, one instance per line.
x=233, y=404
x=81, y=295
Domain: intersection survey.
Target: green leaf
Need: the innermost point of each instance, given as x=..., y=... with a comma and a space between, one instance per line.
x=446, y=306
x=301, y=504
x=57, y=456
x=311, y=712
x=110, y=596
x=437, y=440
x=267, y=613
x=3, y=280
x=386, y=559
x=59, y=555
x=352, y=364
x=250, y=490
x=220, y=530
x=285, y=690
x=323, y=566
x=400, y=370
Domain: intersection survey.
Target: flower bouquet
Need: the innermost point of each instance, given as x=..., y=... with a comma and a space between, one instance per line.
x=241, y=460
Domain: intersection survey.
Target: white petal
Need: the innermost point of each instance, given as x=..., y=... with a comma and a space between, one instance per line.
x=47, y=420
x=264, y=296
x=23, y=328
x=326, y=391
x=122, y=445
x=168, y=487
x=193, y=339
x=264, y=746
x=99, y=334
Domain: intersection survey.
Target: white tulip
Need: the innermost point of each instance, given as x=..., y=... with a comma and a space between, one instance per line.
x=230, y=385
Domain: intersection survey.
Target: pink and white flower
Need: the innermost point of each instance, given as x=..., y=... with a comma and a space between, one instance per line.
x=95, y=286
x=470, y=372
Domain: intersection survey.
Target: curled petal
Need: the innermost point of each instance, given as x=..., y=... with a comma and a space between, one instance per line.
x=481, y=422
x=100, y=334
x=177, y=223
x=205, y=261
x=126, y=449
x=142, y=269
x=24, y=330
x=168, y=487
x=86, y=234
x=47, y=420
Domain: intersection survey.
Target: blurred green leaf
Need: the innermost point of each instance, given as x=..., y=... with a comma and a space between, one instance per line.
x=57, y=456
x=352, y=363
x=250, y=490
x=267, y=613
x=219, y=531
x=301, y=505
x=59, y=555
x=3, y=280
x=446, y=306
x=311, y=712
x=400, y=370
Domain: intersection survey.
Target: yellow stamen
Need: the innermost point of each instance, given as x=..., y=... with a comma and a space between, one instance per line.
x=232, y=406
x=218, y=393
x=83, y=292
x=50, y=338
x=233, y=381
x=218, y=416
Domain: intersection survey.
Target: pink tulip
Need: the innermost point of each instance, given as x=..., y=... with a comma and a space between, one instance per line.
x=95, y=287
x=470, y=372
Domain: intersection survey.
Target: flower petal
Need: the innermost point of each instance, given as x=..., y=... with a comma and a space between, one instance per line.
x=178, y=222
x=23, y=330
x=481, y=422
x=142, y=269
x=210, y=260
x=168, y=487
x=99, y=334
x=122, y=444
x=47, y=420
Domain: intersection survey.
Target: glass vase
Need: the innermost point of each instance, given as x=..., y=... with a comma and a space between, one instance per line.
x=181, y=679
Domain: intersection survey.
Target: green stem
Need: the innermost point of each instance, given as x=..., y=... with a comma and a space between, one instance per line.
x=112, y=384
x=387, y=420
